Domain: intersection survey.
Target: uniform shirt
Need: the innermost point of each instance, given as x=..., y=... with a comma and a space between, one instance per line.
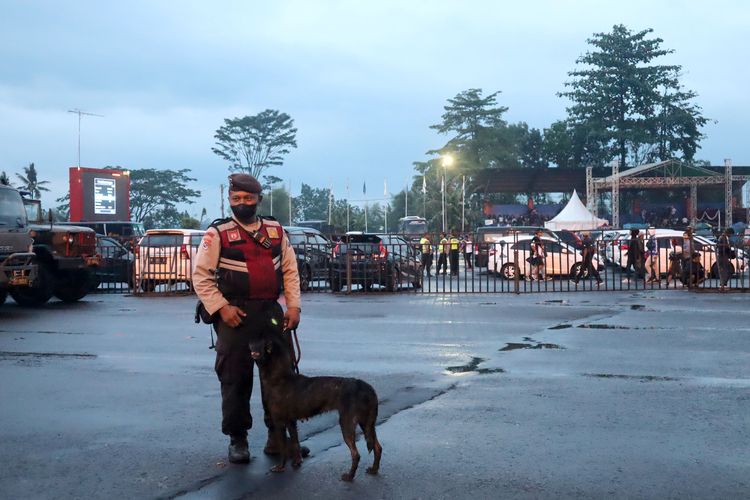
x=208, y=258
x=426, y=245
x=444, y=245
x=454, y=243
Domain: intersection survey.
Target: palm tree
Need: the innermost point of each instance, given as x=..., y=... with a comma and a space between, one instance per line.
x=4, y=179
x=31, y=183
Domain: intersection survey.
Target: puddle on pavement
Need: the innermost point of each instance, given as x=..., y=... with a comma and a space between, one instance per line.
x=642, y=378
x=473, y=366
x=637, y=307
x=488, y=303
x=513, y=346
x=561, y=326
x=41, y=355
x=601, y=326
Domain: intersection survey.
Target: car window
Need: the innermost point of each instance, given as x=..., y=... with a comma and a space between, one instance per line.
x=162, y=240
x=297, y=239
x=664, y=242
x=319, y=240
x=523, y=246
x=551, y=246
x=195, y=240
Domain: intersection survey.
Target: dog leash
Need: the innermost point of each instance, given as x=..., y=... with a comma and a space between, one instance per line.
x=295, y=349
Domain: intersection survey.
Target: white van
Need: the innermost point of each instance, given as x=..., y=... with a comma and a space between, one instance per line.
x=166, y=256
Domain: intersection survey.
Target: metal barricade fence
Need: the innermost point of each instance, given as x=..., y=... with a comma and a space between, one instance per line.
x=504, y=265
x=116, y=267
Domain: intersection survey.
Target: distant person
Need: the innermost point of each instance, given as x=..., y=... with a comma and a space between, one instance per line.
x=468, y=251
x=454, y=243
x=635, y=256
x=425, y=245
x=687, y=254
x=442, y=255
x=652, y=253
x=588, y=249
x=538, y=259
x=725, y=253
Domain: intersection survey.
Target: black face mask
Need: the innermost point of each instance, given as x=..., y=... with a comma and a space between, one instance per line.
x=244, y=213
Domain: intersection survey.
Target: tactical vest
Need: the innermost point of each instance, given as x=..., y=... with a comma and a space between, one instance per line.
x=454, y=243
x=426, y=245
x=247, y=269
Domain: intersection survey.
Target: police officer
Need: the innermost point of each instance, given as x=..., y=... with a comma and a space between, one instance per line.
x=442, y=254
x=425, y=245
x=455, y=244
x=239, y=271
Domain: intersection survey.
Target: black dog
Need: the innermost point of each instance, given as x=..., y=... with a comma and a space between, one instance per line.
x=290, y=397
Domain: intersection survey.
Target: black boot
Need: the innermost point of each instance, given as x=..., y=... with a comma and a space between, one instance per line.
x=238, y=452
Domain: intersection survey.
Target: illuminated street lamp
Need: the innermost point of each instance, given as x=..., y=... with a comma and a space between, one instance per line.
x=447, y=161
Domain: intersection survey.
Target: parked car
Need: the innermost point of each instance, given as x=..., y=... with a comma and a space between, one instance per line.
x=116, y=263
x=670, y=242
x=376, y=259
x=486, y=236
x=570, y=238
x=166, y=256
x=562, y=259
x=313, y=252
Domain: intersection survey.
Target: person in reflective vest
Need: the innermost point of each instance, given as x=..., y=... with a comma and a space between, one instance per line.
x=442, y=254
x=425, y=246
x=240, y=268
x=455, y=244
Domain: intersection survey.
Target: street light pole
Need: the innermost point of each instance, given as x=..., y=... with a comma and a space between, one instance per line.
x=447, y=162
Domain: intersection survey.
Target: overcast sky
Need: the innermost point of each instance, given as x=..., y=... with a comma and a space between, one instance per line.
x=362, y=80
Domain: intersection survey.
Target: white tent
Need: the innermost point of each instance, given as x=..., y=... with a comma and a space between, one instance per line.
x=574, y=217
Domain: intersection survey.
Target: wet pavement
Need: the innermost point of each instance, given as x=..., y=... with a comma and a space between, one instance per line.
x=622, y=394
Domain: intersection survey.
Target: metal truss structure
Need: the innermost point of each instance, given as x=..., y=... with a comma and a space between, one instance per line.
x=671, y=173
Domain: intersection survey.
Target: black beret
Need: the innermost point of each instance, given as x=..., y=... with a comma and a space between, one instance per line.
x=244, y=182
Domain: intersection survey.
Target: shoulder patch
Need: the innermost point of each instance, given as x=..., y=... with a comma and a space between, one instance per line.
x=233, y=234
x=273, y=232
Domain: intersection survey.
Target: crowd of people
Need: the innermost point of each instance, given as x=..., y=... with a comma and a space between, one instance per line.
x=449, y=248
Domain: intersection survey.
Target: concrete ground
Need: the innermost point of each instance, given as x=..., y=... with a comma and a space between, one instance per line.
x=550, y=395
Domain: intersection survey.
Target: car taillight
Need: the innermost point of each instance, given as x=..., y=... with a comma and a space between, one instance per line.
x=492, y=251
x=383, y=251
x=184, y=252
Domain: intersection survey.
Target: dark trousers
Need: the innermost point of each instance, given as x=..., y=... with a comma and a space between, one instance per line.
x=442, y=262
x=427, y=262
x=234, y=366
x=467, y=260
x=637, y=264
x=588, y=266
x=723, y=264
x=454, y=261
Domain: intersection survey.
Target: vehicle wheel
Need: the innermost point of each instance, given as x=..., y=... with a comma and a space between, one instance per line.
x=37, y=295
x=509, y=271
x=335, y=284
x=305, y=276
x=73, y=286
x=576, y=268
x=148, y=285
x=31, y=297
x=3, y=296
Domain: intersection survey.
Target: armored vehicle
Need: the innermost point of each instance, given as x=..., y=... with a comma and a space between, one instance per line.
x=38, y=259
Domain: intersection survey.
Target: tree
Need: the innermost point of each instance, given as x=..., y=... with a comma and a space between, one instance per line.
x=31, y=183
x=62, y=210
x=624, y=106
x=4, y=180
x=254, y=143
x=154, y=195
x=312, y=203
